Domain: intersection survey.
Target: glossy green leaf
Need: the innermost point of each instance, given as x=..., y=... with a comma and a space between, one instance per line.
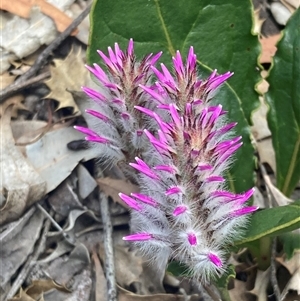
x=220, y=32
x=272, y=222
x=284, y=101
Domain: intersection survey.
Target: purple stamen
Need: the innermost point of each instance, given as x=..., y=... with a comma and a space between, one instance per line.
x=192, y=239
x=215, y=260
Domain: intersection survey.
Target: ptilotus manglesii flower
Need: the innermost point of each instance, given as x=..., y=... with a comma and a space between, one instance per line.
x=115, y=126
x=183, y=210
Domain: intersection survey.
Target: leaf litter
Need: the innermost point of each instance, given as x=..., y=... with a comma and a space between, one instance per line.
x=40, y=168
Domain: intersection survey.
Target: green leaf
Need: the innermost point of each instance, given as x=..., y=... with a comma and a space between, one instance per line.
x=290, y=242
x=178, y=269
x=272, y=222
x=221, y=38
x=283, y=98
x=223, y=281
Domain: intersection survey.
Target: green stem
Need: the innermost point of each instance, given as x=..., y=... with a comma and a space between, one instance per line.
x=264, y=256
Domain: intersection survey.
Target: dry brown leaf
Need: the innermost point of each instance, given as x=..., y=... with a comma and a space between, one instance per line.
x=15, y=100
x=261, y=284
x=292, y=5
x=269, y=48
x=17, y=241
x=293, y=266
x=38, y=287
x=23, y=8
x=68, y=74
x=239, y=292
x=257, y=22
x=21, y=185
x=112, y=187
x=101, y=287
x=279, y=197
x=21, y=296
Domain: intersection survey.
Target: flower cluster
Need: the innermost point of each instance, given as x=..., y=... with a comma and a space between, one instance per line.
x=115, y=126
x=182, y=210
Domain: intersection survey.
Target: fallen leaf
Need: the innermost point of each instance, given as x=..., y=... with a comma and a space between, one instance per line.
x=23, y=37
x=64, y=199
x=53, y=160
x=261, y=284
x=21, y=185
x=84, y=26
x=292, y=5
x=80, y=289
x=266, y=152
x=293, y=266
x=23, y=8
x=280, y=12
x=40, y=286
x=260, y=128
x=100, y=287
x=239, y=292
x=257, y=21
x=68, y=74
x=268, y=45
x=86, y=183
x=17, y=241
x=21, y=296
x=279, y=197
x=112, y=187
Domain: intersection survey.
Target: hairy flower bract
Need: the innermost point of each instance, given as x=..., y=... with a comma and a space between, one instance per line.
x=183, y=210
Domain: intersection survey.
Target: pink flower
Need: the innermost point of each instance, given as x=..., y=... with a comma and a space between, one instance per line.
x=182, y=146
x=191, y=218
x=117, y=128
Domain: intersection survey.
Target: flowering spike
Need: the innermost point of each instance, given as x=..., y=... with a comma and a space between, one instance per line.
x=182, y=210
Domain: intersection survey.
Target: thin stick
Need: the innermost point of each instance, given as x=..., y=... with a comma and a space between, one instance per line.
x=274, y=281
x=108, y=247
x=55, y=224
x=42, y=58
x=30, y=261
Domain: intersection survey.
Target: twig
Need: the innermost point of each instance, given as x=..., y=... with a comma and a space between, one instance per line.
x=274, y=281
x=30, y=261
x=42, y=58
x=26, y=83
x=55, y=224
x=108, y=247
